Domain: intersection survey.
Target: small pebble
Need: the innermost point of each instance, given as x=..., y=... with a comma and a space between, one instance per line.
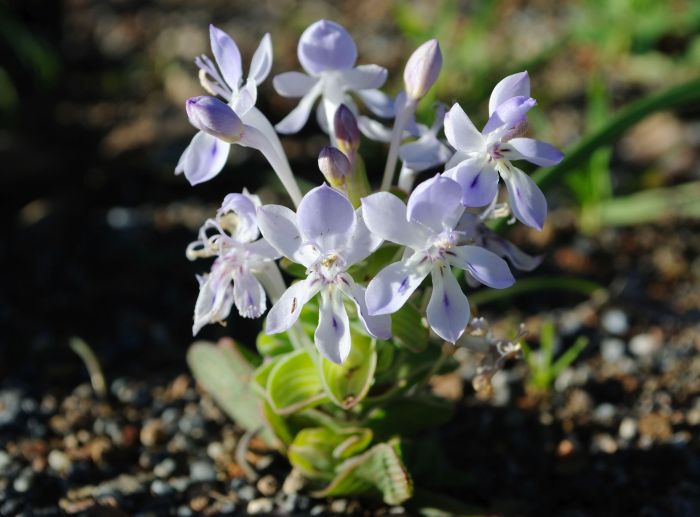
x=160, y=487
x=165, y=468
x=319, y=509
x=202, y=470
x=604, y=414
x=5, y=460
x=604, y=443
x=612, y=350
x=22, y=483
x=339, y=505
x=152, y=433
x=59, y=461
x=615, y=321
x=628, y=428
x=293, y=482
x=261, y=505
x=267, y=485
x=216, y=451
x=246, y=493
x=644, y=345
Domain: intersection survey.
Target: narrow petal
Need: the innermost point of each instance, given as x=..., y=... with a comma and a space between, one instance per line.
x=484, y=265
x=293, y=84
x=517, y=257
x=512, y=86
x=461, y=132
x=204, y=158
x=364, y=77
x=285, y=312
x=534, y=151
x=244, y=100
x=393, y=285
x=227, y=56
x=425, y=153
x=248, y=295
x=296, y=118
x=377, y=102
x=278, y=225
x=244, y=226
x=385, y=215
x=376, y=326
x=326, y=218
x=478, y=179
x=373, y=129
x=215, y=296
x=509, y=114
x=362, y=243
x=261, y=64
x=325, y=46
x=448, y=309
x=332, y=336
x=525, y=198
x=436, y=204
x=263, y=250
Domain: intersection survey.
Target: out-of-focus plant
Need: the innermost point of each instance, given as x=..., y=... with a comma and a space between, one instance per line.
x=376, y=303
x=544, y=367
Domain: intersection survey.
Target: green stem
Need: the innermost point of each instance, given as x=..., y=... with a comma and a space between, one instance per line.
x=534, y=284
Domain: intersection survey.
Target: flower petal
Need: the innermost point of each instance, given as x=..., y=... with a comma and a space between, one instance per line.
x=393, y=285
x=373, y=129
x=204, y=158
x=436, y=204
x=363, y=77
x=461, y=132
x=261, y=64
x=324, y=46
x=534, y=151
x=484, y=265
x=332, y=336
x=263, y=250
x=244, y=100
x=326, y=218
x=510, y=113
x=425, y=153
x=285, y=312
x=448, y=309
x=248, y=295
x=362, y=243
x=478, y=179
x=385, y=215
x=215, y=296
x=525, y=198
x=245, y=226
x=278, y=225
x=377, y=102
x=512, y=86
x=293, y=84
x=506, y=249
x=227, y=56
x=296, y=118
x=376, y=326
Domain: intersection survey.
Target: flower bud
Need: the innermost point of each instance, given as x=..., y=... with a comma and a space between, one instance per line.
x=422, y=69
x=325, y=46
x=347, y=133
x=335, y=166
x=214, y=117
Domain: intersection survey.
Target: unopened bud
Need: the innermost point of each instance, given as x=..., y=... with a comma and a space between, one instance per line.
x=422, y=69
x=347, y=134
x=214, y=117
x=335, y=166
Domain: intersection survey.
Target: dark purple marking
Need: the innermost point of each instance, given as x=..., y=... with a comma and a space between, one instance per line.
x=335, y=324
x=475, y=181
x=403, y=285
x=445, y=300
x=214, y=150
x=518, y=194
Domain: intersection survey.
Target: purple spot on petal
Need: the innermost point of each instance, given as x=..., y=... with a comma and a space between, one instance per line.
x=475, y=181
x=403, y=286
x=445, y=300
x=335, y=324
x=518, y=194
x=214, y=150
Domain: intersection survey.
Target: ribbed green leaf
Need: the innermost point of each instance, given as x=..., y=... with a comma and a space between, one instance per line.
x=408, y=329
x=276, y=344
x=347, y=384
x=294, y=384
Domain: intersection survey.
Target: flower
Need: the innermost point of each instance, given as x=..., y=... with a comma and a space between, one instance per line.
x=328, y=53
x=426, y=226
x=243, y=260
x=482, y=157
x=422, y=69
x=326, y=236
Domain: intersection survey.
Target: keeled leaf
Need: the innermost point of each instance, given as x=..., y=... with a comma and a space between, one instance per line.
x=294, y=384
x=347, y=384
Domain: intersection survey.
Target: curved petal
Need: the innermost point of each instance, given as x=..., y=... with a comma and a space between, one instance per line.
x=332, y=336
x=517, y=257
x=512, y=86
x=215, y=297
x=326, y=218
x=362, y=243
x=204, y=158
x=377, y=102
x=245, y=226
x=461, y=132
x=373, y=129
x=296, y=118
x=376, y=326
x=393, y=285
x=227, y=56
x=510, y=113
x=425, y=153
x=363, y=77
x=385, y=215
x=285, y=312
x=324, y=46
x=436, y=204
x=244, y=100
x=484, y=265
x=248, y=295
x=261, y=64
x=278, y=225
x=534, y=151
x=525, y=198
x=293, y=84
x=448, y=309
x=478, y=179
x=261, y=249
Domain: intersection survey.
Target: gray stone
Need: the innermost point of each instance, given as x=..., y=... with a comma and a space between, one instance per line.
x=260, y=505
x=165, y=468
x=202, y=470
x=612, y=350
x=615, y=321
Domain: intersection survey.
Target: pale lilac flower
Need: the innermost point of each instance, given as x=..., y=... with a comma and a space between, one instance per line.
x=326, y=236
x=243, y=260
x=426, y=226
x=328, y=53
x=208, y=151
x=482, y=157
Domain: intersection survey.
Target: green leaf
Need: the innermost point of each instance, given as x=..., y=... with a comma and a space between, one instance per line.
x=347, y=384
x=379, y=471
x=536, y=284
x=275, y=344
x=294, y=384
x=226, y=375
x=292, y=268
x=410, y=416
x=312, y=452
x=408, y=329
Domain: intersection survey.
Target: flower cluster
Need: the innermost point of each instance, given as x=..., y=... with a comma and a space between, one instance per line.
x=436, y=229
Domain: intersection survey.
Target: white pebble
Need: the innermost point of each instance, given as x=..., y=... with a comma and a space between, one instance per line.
x=615, y=321
x=643, y=345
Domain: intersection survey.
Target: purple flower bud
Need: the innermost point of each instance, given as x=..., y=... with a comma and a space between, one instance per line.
x=346, y=131
x=210, y=115
x=334, y=165
x=324, y=46
x=422, y=69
